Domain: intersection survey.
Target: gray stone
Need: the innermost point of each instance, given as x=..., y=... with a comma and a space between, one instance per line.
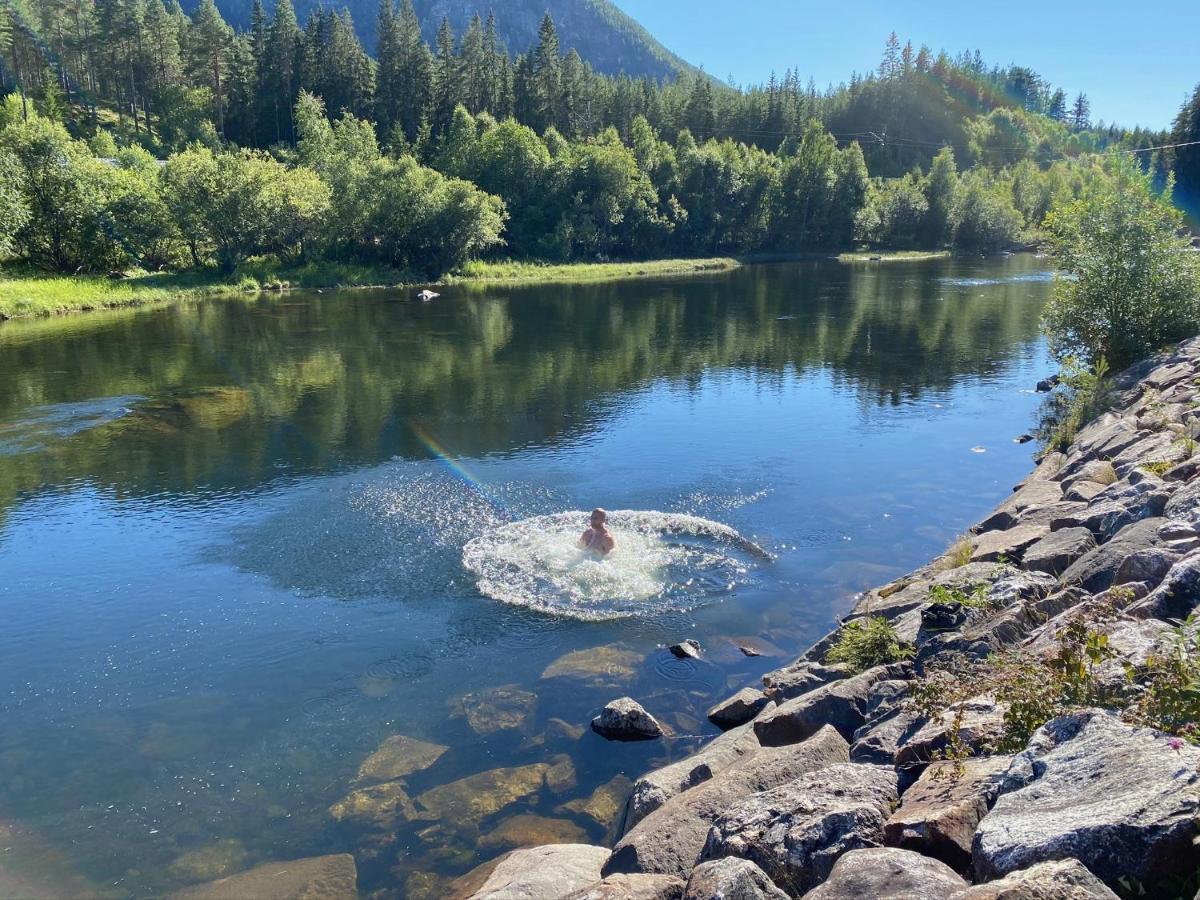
x=1097, y=471
x=1084, y=491
x=556, y=870
x=1149, y=566
x=1117, y=798
x=940, y=812
x=632, y=887
x=879, y=740
x=689, y=649
x=1096, y=570
x=1160, y=447
x=800, y=678
x=1055, y=552
x=1010, y=544
x=655, y=788
x=1061, y=879
x=841, y=704
x=738, y=709
x=625, y=720
x=669, y=840
x=1185, y=503
x=731, y=879
x=796, y=832
x=1177, y=595
x=982, y=722
x=1118, y=506
x=331, y=877
x=1034, y=493
x=885, y=873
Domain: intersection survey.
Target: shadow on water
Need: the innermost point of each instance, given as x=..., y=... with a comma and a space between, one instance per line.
x=232, y=545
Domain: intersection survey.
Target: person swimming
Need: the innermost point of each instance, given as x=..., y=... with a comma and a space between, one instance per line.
x=598, y=539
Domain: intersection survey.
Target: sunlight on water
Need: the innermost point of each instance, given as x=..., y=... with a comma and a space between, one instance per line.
x=662, y=562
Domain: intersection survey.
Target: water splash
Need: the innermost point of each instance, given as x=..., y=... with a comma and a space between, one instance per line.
x=664, y=562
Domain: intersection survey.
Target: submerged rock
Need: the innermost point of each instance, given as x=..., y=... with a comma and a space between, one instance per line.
x=732, y=878
x=213, y=861
x=625, y=720
x=609, y=666
x=1119, y=799
x=796, y=832
x=539, y=872
x=496, y=709
x=532, y=831
x=397, y=757
x=474, y=798
x=381, y=805
x=885, y=873
x=332, y=877
x=605, y=803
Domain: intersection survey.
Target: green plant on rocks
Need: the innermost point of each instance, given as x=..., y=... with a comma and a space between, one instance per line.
x=1082, y=395
x=1170, y=697
x=974, y=597
x=866, y=643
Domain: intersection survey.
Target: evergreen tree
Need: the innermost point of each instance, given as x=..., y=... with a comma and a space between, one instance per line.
x=1081, y=113
x=546, y=80
x=1187, y=159
x=279, y=80
x=208, y=44
x=446, y=81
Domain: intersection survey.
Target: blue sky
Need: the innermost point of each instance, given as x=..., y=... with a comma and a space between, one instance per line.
x=1136, y=62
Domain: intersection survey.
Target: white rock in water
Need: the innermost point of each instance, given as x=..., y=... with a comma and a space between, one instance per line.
x=426, y=295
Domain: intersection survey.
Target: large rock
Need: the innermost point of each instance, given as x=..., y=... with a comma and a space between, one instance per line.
x=472, y=799
x=609, y=666
x=1096, y=571
x=542, y=872
x=1008, y=545
x=1119, y=506
x=669, y=840
x=1062, y=879
x=632, y=887
x=800, y=678
x=731, y=879
x=939, y=813
x=1035, y=493
x=1117, y=798
x=626, y=720
x=506, y=708
x=397, y=757
x=1177, y=595
x=738, y=709
x=1149, y=567
x=841, y=704
x=655, y=788
x=1055, y=552
x=885, y=873
x=315, y=878
x=981, y=723
x=796, y=832
x=1185, y=503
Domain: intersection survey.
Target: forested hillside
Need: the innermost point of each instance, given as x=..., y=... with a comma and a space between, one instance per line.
x=289, y=140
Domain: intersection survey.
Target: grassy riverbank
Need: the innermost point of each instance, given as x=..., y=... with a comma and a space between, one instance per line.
x=30, y=294
x=896, y=256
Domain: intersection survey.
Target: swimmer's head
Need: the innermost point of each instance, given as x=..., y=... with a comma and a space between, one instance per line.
x=599, y=517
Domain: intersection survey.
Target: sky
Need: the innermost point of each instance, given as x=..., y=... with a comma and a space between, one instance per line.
x=1136, y=62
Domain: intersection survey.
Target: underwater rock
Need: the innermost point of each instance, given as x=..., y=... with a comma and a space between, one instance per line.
x=625, y=720
x=382, y=805
x=212, y=408
x=506, y=708
x=532, y=831
x=397, y=757
x=474, y=798
x=560, y=777
x=331, y=877
x=206, y=863
x=608, y=666
x=605, y=804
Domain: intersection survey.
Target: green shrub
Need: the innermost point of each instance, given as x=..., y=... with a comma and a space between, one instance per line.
x=1170, y=700
x=866, y=643
x=1083, y=395
x=975, y=597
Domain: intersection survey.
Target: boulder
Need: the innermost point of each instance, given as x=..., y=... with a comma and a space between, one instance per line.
x=1084, y=491
x=797, y=831
x=609, y=666
x=1185, y=503
x=506, y=708
x=315, y=878
x=1033, y=494
x=879, y=740
x=886, y=873
x=625, y=720
x=1117, y=798
x=540, y=872
x=942, y=616
x=940, y=812
x=982, y=722
x=1010, y=545
x=397, y=757
x=1149, y=566
x=1098, y=471
x=527, y=830
x=469, y=800
x=800, y=678
x=731, y=879
x=689, y=649
x=605, y=804
x=1176, y=596
x=841, y=704
x=1062, y=879
x=655, y=788
x=738, y=709
x=1118, y=506
x=1095, y=571
x=670, y=839
x=1055, y=552
x=632, y=887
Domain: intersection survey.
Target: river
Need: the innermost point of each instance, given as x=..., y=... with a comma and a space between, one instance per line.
x=232, y=545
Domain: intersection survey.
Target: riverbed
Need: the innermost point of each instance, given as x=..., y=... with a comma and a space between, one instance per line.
x=234, y=564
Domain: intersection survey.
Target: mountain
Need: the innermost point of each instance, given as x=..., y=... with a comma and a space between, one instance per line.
x=610, y=40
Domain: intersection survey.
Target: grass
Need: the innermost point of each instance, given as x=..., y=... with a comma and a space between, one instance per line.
x=25, y=293
x=483, y=272
x=893, y=256
x=958, y=555
x=866, y=643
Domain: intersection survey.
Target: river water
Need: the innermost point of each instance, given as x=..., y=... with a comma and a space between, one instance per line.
x=244, y=543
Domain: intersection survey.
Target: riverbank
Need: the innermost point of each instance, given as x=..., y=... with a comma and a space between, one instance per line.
x=985, y=726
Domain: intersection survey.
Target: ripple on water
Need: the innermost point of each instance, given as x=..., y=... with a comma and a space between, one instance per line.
x=664, y=562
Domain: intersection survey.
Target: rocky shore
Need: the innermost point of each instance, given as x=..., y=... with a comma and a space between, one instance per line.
x=897, y=780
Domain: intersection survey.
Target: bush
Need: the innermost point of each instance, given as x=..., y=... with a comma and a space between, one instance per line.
x=985, y=219
x=1129, y=286
x=1083, y=394
x=867, y=643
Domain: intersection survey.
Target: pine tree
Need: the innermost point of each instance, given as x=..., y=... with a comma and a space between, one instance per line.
x=389, y=73
x=546, y=66
x=1057, y=108
x=1081, y=113
x=1186, y=130
x=701, y=115
x=889, y=66
x=446, y=80
x=208, y=44
x=279, y=80
x=416, y=73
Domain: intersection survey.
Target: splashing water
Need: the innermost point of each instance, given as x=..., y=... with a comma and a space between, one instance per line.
x=662, y=562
